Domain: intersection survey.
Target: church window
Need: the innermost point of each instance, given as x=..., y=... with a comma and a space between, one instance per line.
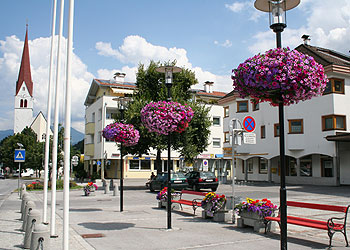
x=25, y=103
x=23, y=88
x=21, y=103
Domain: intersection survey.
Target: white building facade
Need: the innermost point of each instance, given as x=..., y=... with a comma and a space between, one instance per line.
x=316, y=150
x=103, y=157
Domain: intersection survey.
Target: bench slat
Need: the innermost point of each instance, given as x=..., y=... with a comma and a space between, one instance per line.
x=317, y=206
x=306, y=222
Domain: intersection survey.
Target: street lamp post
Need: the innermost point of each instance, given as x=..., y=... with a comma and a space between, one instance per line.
x=169, y=70
x=277, y=17
x=123, y=102
x=20, y=145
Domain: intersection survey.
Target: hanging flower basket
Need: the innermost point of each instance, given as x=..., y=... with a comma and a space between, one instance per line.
x=265, y=77
x=166, y=117
x=123, y=133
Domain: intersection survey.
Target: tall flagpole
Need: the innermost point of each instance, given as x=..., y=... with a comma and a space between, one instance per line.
x=55, y=134
x=47, y=141
x=67, y=129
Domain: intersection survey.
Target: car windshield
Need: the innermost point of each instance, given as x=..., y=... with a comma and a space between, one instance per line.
x=208, y=174
x=177, y=175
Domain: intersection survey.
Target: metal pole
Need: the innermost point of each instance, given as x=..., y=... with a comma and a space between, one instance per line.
x=55, y=135
x=169, y=171
x=19, y=176
x=48, y=124
x=67, y=129
x=283, y=191
x=121, y=169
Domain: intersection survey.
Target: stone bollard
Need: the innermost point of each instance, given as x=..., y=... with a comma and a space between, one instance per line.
x=33, y=218
x=23, y=190
x=40, y=237
x=115, y=189
x=29, y=206
x=24, y=201
x=106, y=186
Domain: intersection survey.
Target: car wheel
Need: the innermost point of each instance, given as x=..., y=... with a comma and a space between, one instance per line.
x=214, y=189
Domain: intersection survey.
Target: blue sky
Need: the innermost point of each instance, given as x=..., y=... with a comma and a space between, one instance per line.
x=211, y=37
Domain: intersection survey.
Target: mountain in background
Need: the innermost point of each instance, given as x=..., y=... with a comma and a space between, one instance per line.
x=75, y=135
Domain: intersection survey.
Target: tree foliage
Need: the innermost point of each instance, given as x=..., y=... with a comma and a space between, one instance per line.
x=151, y=87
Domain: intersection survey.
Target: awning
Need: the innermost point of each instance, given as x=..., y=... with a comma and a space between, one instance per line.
x=122, y=91
x=343, y=137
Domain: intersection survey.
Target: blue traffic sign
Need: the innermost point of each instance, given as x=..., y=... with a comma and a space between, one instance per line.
x=249, y=124
x=20, y=155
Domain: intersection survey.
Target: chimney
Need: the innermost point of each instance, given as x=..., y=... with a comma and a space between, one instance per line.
x=208, y=87
x=306, y=39
x=119, y=77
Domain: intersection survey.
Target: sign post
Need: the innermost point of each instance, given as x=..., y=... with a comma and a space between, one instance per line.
x=20, y=155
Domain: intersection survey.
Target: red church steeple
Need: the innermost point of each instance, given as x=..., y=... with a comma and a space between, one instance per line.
x=24, y=72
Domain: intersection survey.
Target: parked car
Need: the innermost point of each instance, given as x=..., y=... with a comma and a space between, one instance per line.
x=178, y=181
x=198, y=180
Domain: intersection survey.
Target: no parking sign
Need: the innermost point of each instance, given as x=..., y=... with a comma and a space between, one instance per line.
x=205, y=165
x=249, y=124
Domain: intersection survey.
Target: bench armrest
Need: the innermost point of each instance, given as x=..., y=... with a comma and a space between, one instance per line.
x=331, y=224
x=197, y=202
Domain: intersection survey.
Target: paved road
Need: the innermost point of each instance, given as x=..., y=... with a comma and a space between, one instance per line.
x=143, y=226
x=6, y=187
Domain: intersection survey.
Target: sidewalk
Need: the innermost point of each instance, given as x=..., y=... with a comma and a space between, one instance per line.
x=143, y=226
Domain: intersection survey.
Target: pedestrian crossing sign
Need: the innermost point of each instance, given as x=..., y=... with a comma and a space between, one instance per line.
x=20, y=155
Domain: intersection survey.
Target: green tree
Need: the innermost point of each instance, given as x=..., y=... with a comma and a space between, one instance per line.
x=34, y=150
x=150, y=87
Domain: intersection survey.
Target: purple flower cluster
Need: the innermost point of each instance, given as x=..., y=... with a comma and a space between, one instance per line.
x=264, y=207
x=213, y=202
x=123, y=133
x=165, y=117
x=265, y=77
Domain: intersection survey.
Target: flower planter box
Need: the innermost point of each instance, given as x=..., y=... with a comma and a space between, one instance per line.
x=249, y=218
x=219, y=216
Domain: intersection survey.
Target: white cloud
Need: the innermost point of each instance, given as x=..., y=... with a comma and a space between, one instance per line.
x=226, y=43
x=236, y=6
x=136, y=49
x=39, y=50
x=332, y=32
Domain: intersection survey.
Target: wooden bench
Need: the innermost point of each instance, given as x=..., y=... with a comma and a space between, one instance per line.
x=195, y=203
x=332, y=225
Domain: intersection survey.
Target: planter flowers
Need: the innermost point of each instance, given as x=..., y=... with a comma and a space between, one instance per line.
x=281, y=71
x=123, y=133
x=90, y=187
x=261, y=208
x=163, y=194
x=166, y=117
x=213, y=202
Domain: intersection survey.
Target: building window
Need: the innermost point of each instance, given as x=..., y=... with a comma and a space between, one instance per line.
x=165, y=165
x=226, y=111
x=262, y=132
x=306, y=166
x=262, y=166
x=140, y=165
x=333, y=122
x=93, y=117
x=296, y=126
x=255, y=106
x=216, y=142
x=227, y=137
x=25, y=103
x=327, y=166
x=250, y=166
x=242, y=106
x=276, y=129
x=216, y=121
x=21, y=103
x=100, y=114
x=334, y=85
